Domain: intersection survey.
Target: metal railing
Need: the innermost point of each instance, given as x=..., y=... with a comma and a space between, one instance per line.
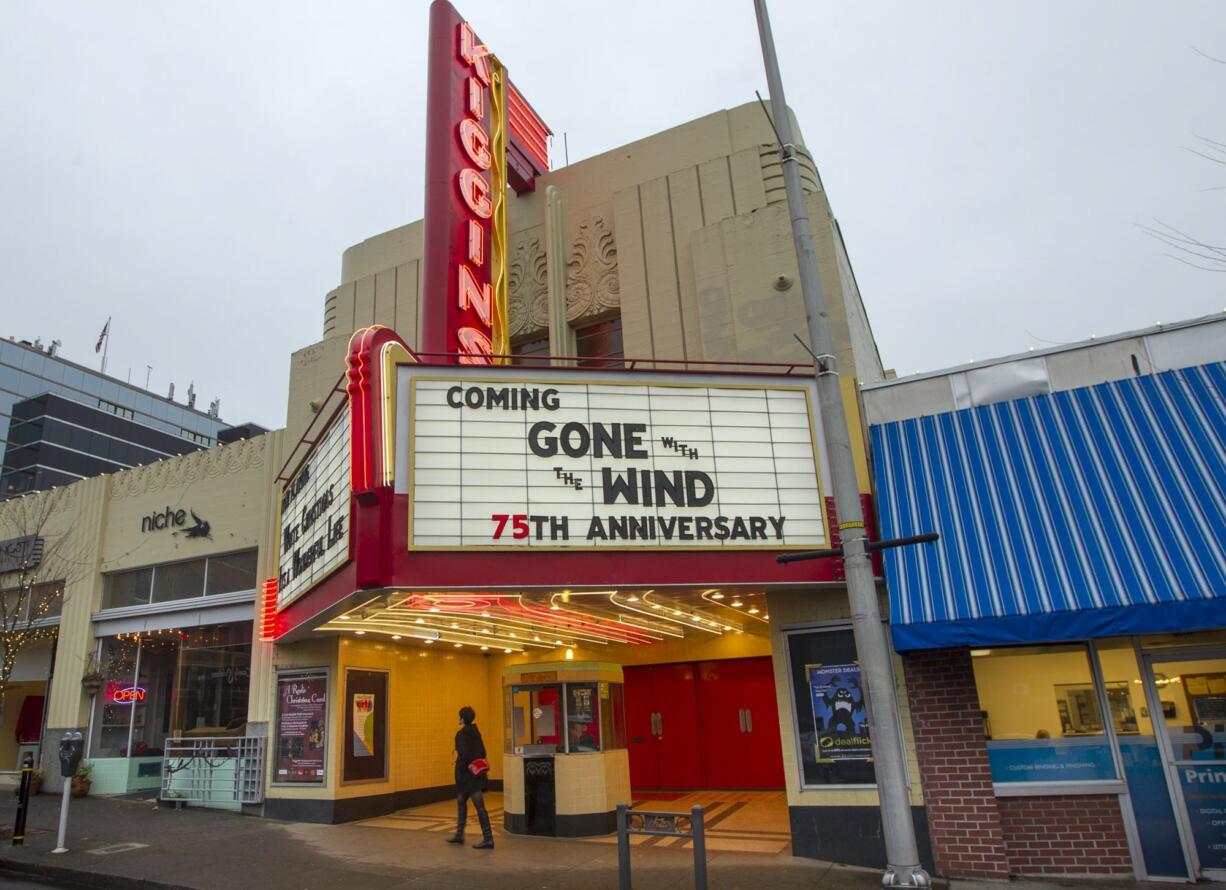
x=216, y=771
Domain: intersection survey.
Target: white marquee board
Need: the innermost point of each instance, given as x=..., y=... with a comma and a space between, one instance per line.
x=315, y=516
x=575, y=461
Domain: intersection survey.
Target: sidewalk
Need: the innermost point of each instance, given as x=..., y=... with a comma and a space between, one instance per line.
x=132, y=843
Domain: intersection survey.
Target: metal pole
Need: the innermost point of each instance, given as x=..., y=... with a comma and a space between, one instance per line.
x=700, y=849
x=59, y=844
x=623, y=849
x=902, y=868
x=23, y=800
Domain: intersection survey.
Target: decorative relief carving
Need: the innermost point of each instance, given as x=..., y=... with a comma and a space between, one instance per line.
x=591, y=274
x=246, y=454
x=527, y=288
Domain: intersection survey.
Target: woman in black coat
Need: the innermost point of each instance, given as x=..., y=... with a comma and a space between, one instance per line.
x=470, y=747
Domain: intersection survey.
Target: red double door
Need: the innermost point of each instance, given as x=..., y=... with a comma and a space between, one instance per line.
x=710, y=724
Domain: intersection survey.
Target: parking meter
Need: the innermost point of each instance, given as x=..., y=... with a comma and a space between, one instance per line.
x=72, y=746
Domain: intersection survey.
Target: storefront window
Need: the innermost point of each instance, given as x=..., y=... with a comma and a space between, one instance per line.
x=1041, y=714
x=214, y=680
x=178, y=581
x=231, y=573
x=127, y=589
x=829, y=709
x=536, y=719
x=113, y=708
x=171, y=684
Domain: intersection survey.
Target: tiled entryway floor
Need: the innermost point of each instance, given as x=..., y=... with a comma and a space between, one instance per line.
x=736, y=821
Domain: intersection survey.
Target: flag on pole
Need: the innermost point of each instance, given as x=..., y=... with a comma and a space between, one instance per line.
x=106, y=327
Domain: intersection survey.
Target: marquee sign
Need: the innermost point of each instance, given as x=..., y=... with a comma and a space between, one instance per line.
x=589, y=462
x=315, y=516
x=481, y=137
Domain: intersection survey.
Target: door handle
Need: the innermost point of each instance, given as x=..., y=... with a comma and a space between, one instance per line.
x=749, y=720
x=741, y=716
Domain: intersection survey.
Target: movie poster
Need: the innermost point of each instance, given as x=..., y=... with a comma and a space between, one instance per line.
x=363, y=724
x=839, y=715
x=302, y=713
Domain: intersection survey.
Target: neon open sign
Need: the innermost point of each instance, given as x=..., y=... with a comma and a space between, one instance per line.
x=118, y=694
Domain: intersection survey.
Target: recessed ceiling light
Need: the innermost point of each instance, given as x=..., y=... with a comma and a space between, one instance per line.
x=554, y=607
x=359, y=632
x=434, y=608
x=459, y=645
x=557, y=642
x=536, y=639
x=486, y=630
x=727, y=627
x=456, y=625
x=754, y=610
x=395, y=636
x=485, y=648
x=655, y=605
x=485, y=614
x=344, y=618
x=766, y=618
x=717, y=595
x=507, y=651
x=515, y=636
x=632, y=598
x=736, y=604
x=428, y=642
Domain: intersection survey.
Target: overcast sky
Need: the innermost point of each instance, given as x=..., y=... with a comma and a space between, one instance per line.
x=196, y=170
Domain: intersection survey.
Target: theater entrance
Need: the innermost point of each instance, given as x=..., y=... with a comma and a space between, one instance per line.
x=707, y=724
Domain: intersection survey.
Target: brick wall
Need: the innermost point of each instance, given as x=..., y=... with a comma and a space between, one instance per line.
x=1069, y=835
x=963, y=817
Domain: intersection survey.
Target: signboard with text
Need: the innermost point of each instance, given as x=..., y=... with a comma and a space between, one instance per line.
x=302, y=714
x=315, y=516
x=611, y=462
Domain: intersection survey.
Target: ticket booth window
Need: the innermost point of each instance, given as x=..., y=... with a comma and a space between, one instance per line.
x=613, y=715
x=536, y=719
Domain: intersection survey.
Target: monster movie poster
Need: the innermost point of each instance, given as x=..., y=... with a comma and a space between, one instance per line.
x=839, y=715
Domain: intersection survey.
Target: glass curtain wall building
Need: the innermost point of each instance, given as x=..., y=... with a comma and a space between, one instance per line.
x=93, y=424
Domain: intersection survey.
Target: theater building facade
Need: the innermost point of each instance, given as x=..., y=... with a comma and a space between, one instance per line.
x=1064, y=642
x=579, y=544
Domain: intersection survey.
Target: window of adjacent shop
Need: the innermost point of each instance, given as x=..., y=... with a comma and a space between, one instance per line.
x=211, y=576
x=593, y=715
x=602, y=340
x=171, y=684
x=1042, y=716
x=26, y=606
x=828, y=708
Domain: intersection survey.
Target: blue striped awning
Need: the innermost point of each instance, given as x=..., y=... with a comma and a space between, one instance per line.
x=1087, y=513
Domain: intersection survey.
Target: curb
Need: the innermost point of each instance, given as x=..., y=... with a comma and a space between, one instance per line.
x=87, y=880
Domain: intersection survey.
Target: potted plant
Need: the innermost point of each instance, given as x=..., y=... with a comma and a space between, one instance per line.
x=80, y=780
x=92, y=678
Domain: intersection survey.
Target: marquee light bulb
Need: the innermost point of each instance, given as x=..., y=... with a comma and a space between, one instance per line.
x=420, y=621
x=557, y=642
x=632, y=598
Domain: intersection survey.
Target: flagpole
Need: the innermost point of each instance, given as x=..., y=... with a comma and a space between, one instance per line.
x=106, y=344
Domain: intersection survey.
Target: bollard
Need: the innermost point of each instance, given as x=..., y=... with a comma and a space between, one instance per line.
x=623, y=848
x=700, y=848
x=23, y=800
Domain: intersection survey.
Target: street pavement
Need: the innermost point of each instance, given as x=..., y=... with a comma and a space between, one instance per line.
x=136, y=844
x=129, y=843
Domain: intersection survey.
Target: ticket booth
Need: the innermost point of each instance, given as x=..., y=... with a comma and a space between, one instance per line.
x=566, y=767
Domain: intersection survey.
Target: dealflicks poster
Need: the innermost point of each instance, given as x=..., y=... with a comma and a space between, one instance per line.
x=839, y=714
